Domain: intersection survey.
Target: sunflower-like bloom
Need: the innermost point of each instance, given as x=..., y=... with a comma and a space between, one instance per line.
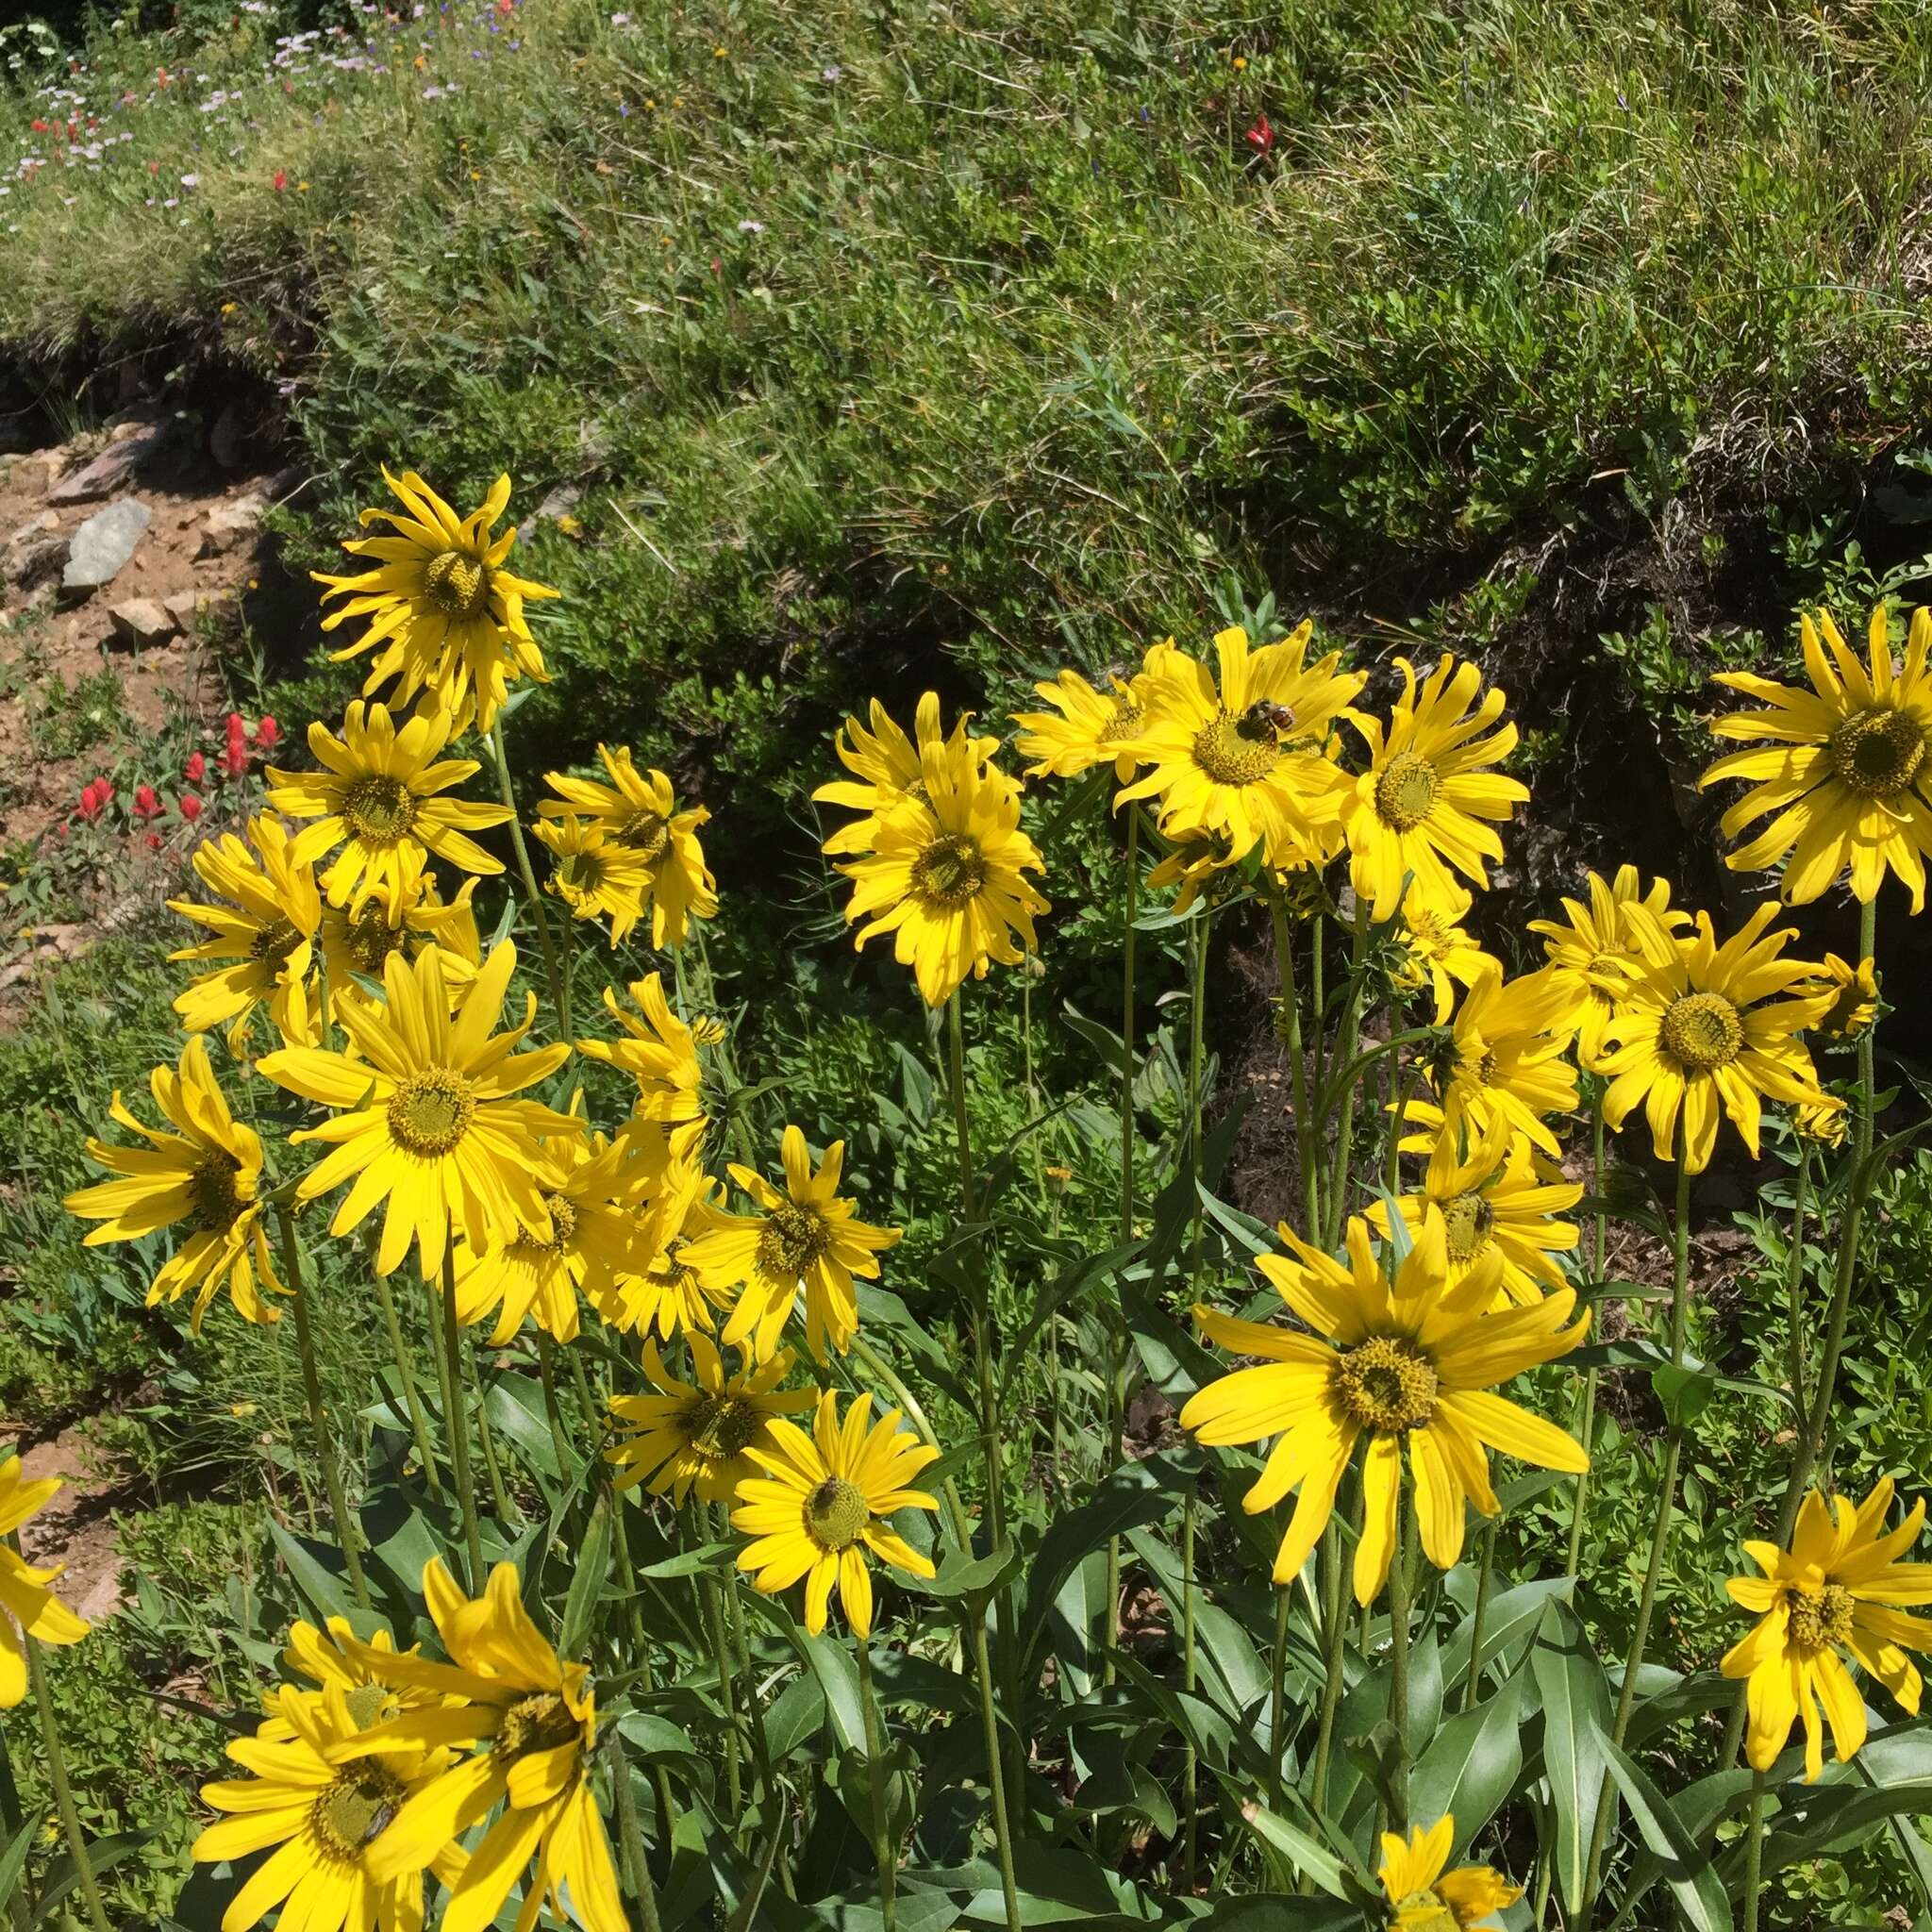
x=1825, y=1123
x=356, y=942
x=1438, y=954
x=825, y=1499
x=946, y=876
x=265, y=935
x=1419, y=808
x=1505, y=1058
x=700, y=1433
x=1493, y=1200
x=888, y=768
x=1702, y=1028
x=1246, y=757
x=1084, y=727
x=593, y=876
x=425, y=1115
x=659, y=1051
x=806, y=1236
x=536, y=1716
x=447, y=615
x=1599, y=944
x=1193, y=862
x=1854, y=997
x=1844, y=766
x=23, y=1592
x=324, y=1817
x=1425, y=1898
x=669, y=1296
x=1408, y=1362
x=206, y=1174
x=640, y=815
x=378, y=796
x=1838, y=1587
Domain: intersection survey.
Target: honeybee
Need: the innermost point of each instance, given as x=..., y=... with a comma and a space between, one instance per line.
x=1264, y=714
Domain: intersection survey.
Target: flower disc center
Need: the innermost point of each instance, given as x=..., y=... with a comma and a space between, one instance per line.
x=646, y=833
x=1878, y=751
x=1124, y=722
x=214, y=1184
x=540, y=1722
x=721, y=1427
x=1387, y=1385
x=457, y=584
x=354, y=1810
x=580, y=874
x=273, y=943
x=1820, y=1619
x=1702, y=1030
x=1406, y=790
x=1237, y=751
x=369, y=939
x=836, y=1512
x=430, y=1111
x=1423, y=1912
x=791, y=1240
x=1469, y=1218
x=950, y=872
x=379, y=809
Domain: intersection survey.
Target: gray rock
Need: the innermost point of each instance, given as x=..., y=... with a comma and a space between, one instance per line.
x=186, y=607
x=225, y=440
x=230, y=526
x=112, y=467
x=104, y=544
x=142, y=621
x=559, y=503
x=35, y=561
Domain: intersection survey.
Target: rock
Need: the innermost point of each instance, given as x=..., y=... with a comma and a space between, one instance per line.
x=142, y=621
x=37, y=560
x=111, y=468
x=51, y=463
x=187, y=606
x=230, y=525
x=127, y=428
x=104, y=544
x=225, y=440
x=559, y=503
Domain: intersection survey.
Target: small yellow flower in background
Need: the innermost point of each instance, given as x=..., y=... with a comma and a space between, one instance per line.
x=1426, y=1898
x=1598, y=943
x=536, y=1717
x=206, y=1174
x=1407, y=1362
x=1440, y=956
x=1241, y=63
x=700, y=1433
x=1700, y=1028
x=1837, y=1589
x=594, y=876
x=1826, y=1121
x=1084, y=727
x=823, y=1503
x=570, y=525
x=378, y=796
x=23, y=1592
x=266, y=932
x=669, y=1296
x=888, y=768
x=427, y=1120
x=659, y=1051
x=805, y=1236
x=1505, y=1060
x=446, y=614
x=945, y=875
x=1417, y=812
x=640, y=814
x=1854, y=997
x=1845, y=769
x=229, y=307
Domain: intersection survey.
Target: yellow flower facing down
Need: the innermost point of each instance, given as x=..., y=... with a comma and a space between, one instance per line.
x=204, y=1177
x=1409, y=1362
x=323, y=1818
x=1505, y=1060
x=1195, y=862
x=1854, y=997
x=1438, y=955
x=593, y=876
x=1838, y=1588
x=379, y=797
x=889, y=771
x=823, y=1502
x=1420, y=808
x=659, y=1051
x=945, y=876
x=808, y=1237
x=701, y=1433
x=357, y=942
x=26, y=1600
x=1702, y=1030
x=1083, y=727
x=424, y=1113
x=505, y=1689
x=264, y=934
x=1599, y=943
x=1826, y=1122
x=1244, y=756
x=639, y=816
x=669, y=1297
x=1424, y=1897
x=443, y=613
x=1843, y=766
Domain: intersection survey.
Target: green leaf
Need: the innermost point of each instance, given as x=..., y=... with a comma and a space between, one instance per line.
x=1691, y=1875
x=13, y=1861
x=792, y=1718
x=1509, y=1619
x=973, y=1575
x=587, y=1579
x=830, y=1664
x=1308, y=1858
x=1684, y=1393
x=1471, y=1765
x=1575, y=1695
x=1067, y=1286
x=102, y=1854
x=324, y=1590
x=688, y=1562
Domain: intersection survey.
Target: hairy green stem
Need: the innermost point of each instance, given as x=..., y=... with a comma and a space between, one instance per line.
x=405, y=1375
x=876, y=1765
x=1345, y=1047
x=1297, y=1063
x=553, y=977
x=1190, y=1768
x=1119, y=1344
x=1794, y=1272
x=1398, y=1660
x=1485, y=1559
x=1579, y=1503
x=62, y=1789
x=1277, y=1697
x=456, y=1419
x=632, y=1837
x=1753, y=1851
x=507, y=1512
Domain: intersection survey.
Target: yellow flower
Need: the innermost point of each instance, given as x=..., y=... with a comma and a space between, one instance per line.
x=1700, y=1028
x=447, y=615
x=1598, y=943
x=266, y=933
x=596, y=877
x=324, y=1817
x=1244, y=759
x=1193, y=862
x=659, y=1051
x=1854, y=997
x=1493, y=1200
x=670, y=1296
x=640, y=814
x=823, y=1503
x=1438, y=955
x=1826, y=1121
x=206, y=1174
x=425, y=1115
x=1427, y=1899
x=505, y=1687
x=1417, y=810
x=1837, y=1589
x=1845, y=768
x=807, y=1235
x=23, y=1594
x=356, y=942
x=1505, y=1060
x=1409, y=1362
x=1084, y=727
x=701, y=1433
x=379, y=791
x=888, y=768
x=945, y=875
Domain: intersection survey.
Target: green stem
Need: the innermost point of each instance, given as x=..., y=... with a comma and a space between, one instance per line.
x=1334, y=1638
x=996, y=1782
x=507, y=1512
x=348, y=1531
x=1277, y=1697
x=11, y=1819
x=962, y=1131
x=1292, y=1023
x=1579, y=1505
x=1351, y=1033
x=553, y=1409
x=1484, y=1557
x=1197, y=1015
x=552, y=977
x=714, y=1623
x=1119, y=1344
x=875, y=1764
x=1794, y=1274
x=632, y=1837
x=457, y=1420
x=63, y=1792
x=405, y=1375
x=1753, y=1851
x=1398, y=1660
x=1189, y=1769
